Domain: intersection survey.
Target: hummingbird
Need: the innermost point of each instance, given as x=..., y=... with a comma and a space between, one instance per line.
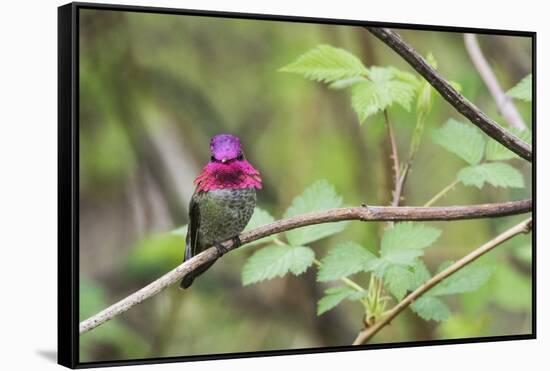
x=223, y=201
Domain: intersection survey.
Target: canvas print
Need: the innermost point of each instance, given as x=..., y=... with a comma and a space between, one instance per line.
x=268, y=185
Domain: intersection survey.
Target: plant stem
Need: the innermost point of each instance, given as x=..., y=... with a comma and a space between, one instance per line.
x=504, y=103
x=396, y=194
x=442, y=193
x=366, y=334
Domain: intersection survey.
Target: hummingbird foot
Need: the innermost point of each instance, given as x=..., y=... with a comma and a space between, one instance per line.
x=236, y=242
x=221, y=249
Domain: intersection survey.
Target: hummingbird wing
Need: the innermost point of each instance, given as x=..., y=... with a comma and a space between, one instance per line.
x=192, y=238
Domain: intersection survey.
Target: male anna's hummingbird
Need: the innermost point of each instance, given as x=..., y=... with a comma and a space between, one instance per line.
x=223, y=201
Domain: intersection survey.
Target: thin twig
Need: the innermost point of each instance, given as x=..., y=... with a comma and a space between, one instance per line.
x=504, y=103
x=368, y=333
x=457, y=100
x=396, y=195
x=442, y=193
x=363, y=213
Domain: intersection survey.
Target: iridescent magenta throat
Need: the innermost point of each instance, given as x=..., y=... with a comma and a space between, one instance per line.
x=236, y=174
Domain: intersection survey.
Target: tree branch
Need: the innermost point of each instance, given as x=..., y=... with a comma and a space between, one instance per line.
x=368, y=333
x=362, y=213
x=504, y=103
x=457, y=100
x=396, y=194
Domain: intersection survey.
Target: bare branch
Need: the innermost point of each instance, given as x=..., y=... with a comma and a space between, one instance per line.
x=457, y=100
x=362, y=213
x=396, y=194
x=368, y=333
x=504, y=103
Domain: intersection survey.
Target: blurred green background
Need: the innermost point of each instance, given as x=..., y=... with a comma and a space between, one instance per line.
x=154, y=88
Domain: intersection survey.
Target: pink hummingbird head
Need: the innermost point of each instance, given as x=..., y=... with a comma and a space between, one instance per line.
x=225, y=147
x=227, y=169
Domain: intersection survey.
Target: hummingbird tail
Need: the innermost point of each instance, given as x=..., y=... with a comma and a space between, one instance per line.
x=188, y=279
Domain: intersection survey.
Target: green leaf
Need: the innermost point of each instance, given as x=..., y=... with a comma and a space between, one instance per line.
x=333, y=297
x=498, y=174
x=397, y=280
x=321, y=195
x=464, y=140
x=404, y=242
x=404, y=76
x=430, y=308
x=523, y=90
x=379, y=92
x=343, y=260
x=496, y=151
x=345, y=83
x=420, y=275
x=260, y=218
x=367, y=100
x=469, y=278
x=327, y=64
x=276, y=261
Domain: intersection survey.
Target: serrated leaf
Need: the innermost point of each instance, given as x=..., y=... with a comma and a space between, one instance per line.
x=343, y=260
x=498, y=174
x=401, y=93
x=367, y=100
x=404, y=76
x=430, y=308
x=467, y=279
x=421, y=274
x=404, y=242
x=327, y=64
x=333, y=297
x=276, y=261
x=378, y=266
x=258, y=219
x=523, y=90
x=464, y=140
x=382, y=90
x=397, y=280
x=321, y=195
x=496, y=151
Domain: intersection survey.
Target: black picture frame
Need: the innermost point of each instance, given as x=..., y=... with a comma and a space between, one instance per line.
x=68, y=181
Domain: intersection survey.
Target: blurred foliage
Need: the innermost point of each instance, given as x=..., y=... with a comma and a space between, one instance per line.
x=115, y=338
x=155, y=87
